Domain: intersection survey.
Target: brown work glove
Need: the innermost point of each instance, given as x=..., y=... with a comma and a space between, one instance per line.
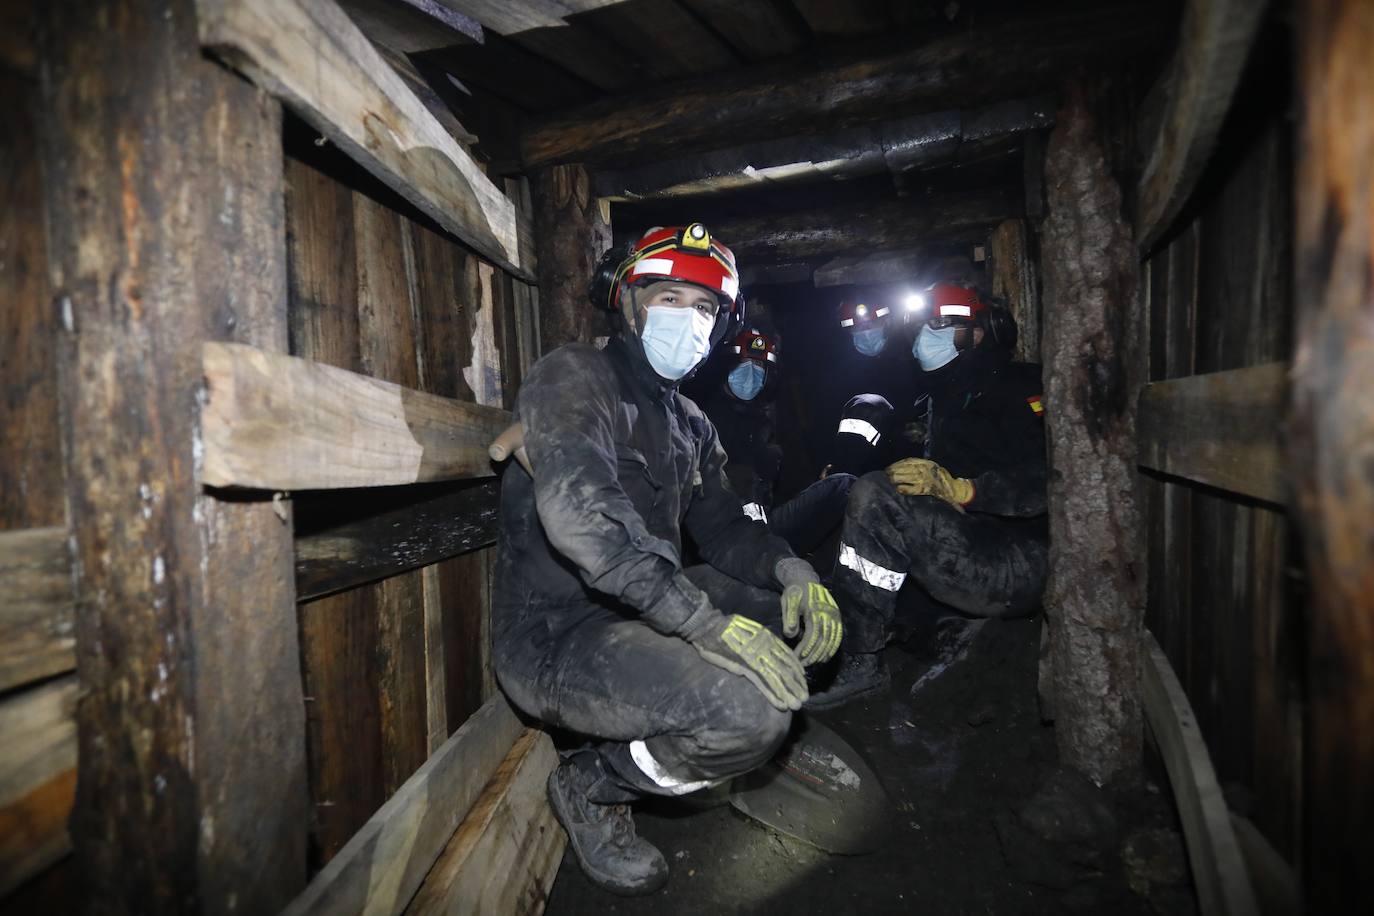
x=920, y=477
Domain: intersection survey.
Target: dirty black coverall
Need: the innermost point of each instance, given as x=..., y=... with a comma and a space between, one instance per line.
x=983, y=422
x=746, y=434
x=590, y=588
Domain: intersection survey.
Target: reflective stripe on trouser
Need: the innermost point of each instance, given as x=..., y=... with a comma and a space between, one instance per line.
x=756, y=512
x=977, y=564
x=639, y=752
x=877, y=576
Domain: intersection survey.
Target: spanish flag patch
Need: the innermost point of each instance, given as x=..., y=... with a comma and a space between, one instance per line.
x=1036, y=406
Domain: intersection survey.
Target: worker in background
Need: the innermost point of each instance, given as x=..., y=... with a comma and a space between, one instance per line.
x=597, y=628
x=863, y=438
x=966, y=520
x=742, y=410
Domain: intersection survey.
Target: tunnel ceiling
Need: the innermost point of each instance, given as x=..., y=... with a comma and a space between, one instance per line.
x=804, y=131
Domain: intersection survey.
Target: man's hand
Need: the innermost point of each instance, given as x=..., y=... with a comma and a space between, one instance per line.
x=749, y=649
x=919, y=477
x=806, y=602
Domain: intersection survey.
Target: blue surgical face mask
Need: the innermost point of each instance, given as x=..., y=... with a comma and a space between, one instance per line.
x=746, y=379
x=870, y=341
x=675, y=339
x=933, y=348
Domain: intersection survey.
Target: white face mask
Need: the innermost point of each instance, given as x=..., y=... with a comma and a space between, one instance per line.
x=934, y=348
x=675, y=339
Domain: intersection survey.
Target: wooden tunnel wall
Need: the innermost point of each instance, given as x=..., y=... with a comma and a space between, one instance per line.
x=38, y=686
x=390, y=668
x=1224, y=592
x=394, y=667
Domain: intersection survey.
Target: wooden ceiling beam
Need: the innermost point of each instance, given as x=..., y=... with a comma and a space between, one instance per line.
x=919, y=141
x=1015, y=55
x=841, y=229
x=507, y=18
x=410, y=26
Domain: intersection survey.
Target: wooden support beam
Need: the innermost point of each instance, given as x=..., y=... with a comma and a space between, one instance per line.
x=917, y=267
x=310, y=55
x=379, y=870
x=163, y=174
x=1223, y=885
x=1331, y=428
x=1029, y=52
x=505, y=854
x=835, y=230
x=572, y=230
x=37, y=637
x=506, y=18
x=1221, y=429
x=277, y=422
x=412, y=26
x=1198, y=85
x=438, y=522
x=37, y=778
x=1095, y=599
x=919, y=141
x=1015, y=278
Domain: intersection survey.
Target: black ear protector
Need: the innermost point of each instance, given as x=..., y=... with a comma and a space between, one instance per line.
x=605, y=275
x=999, y=324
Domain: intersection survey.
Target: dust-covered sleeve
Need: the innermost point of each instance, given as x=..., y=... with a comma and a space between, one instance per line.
x=567, y=407
x=725, y=537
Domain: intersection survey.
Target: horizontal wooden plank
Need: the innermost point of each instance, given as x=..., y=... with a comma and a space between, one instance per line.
x=311, y=55
x=1219, y=429
x=441, y=521
x=1223, y=885
x=279, y=422
x=37, y=778
x=379, y=870
x=36, y=626
x=505, y=854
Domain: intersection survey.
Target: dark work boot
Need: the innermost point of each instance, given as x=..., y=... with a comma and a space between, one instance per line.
x=603, y=837
x=859, y=674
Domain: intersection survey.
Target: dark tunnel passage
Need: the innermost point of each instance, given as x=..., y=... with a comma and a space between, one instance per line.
x=686, y=456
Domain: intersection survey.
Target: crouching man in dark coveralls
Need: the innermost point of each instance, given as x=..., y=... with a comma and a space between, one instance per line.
x=966, y=520
x=675, y=679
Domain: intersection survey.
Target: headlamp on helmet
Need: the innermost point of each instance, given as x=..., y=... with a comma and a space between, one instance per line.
x=856, y=315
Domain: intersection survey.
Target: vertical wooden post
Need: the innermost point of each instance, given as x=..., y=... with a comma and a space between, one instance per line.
x=1095, y=599
x=1014, y=279
x=570, y=235
x=1332, y=423
x=164, y=190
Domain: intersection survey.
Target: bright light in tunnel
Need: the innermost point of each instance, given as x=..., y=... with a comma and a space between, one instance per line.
x=861, y=309
x=914, y=302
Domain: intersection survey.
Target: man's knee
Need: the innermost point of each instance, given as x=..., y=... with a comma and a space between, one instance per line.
x=872, y=489
x=747, y=728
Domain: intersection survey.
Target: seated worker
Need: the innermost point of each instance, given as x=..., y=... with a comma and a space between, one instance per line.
x=863, y=439
x=966, y=520
x=742, y=412
x=597, y=629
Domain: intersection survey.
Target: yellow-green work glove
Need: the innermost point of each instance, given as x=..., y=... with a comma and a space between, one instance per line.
x=749, y=649
x=809, y=608
x=919, y=477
